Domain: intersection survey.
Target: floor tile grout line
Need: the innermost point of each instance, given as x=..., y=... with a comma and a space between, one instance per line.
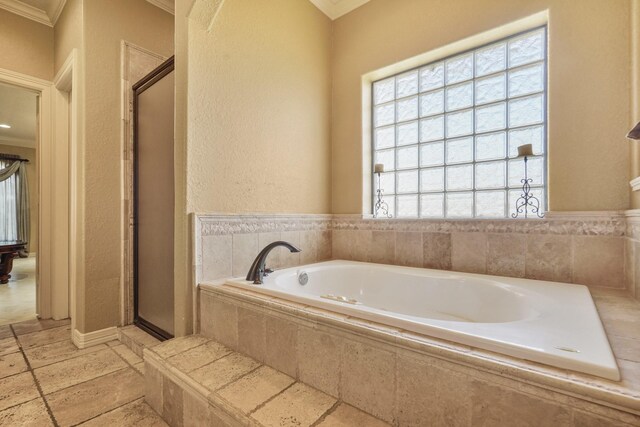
x=125, y=360
x=326, y=413
x=69, y=358
x=237, y=379
x=195, y=369
x=68, y=325
x=263, y=404
x=86, y=381
x=106, y=412
x=40, y=330
x=166, y=360
x=49, y=343
x=21, y=403
x=35, y=380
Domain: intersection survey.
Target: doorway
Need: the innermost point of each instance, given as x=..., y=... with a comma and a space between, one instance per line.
x=19, y=199
x=153, y=197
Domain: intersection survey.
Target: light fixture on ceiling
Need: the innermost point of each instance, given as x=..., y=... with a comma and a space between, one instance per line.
x=5, y=126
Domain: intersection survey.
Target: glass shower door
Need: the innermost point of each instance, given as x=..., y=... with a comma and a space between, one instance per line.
x=153, y=114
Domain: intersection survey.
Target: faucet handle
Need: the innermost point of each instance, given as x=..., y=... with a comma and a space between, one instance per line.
x=267, y=271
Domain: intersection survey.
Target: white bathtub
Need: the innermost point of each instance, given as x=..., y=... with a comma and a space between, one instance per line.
x=546, y=322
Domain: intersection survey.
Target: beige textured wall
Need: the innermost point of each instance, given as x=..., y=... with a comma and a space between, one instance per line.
x=255, y=113
x=259, y=109
x=27, y=46
x=106, y=24
x=589, y=86
x=32, y=177
x=635, y=93
x=67, y=32
x=182, y=256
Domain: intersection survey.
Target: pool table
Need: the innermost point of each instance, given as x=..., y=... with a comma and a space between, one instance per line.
x=8, y=251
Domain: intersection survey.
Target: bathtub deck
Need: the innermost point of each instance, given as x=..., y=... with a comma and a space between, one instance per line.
x=620, y=314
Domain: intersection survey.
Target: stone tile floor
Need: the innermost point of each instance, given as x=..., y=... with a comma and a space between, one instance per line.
x=18, y=297
x=46, y=381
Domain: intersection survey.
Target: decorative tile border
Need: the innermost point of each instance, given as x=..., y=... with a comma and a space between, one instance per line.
x=220, y=224
x=574, y=223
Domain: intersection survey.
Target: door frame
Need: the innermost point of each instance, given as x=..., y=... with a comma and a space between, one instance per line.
x=130, y=57
x=149, y=80
x=65, y=179
x=46, y=146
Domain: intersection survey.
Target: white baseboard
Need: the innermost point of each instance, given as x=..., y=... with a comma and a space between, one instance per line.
x=94, y=338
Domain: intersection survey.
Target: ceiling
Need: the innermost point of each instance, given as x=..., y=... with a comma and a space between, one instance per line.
x=334, y=9
x=45, y=12
x=18, y=109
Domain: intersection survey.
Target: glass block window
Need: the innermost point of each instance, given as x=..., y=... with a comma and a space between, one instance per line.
x=447, y=132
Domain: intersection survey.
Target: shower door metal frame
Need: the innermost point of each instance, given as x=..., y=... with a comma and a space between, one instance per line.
x=148, y=81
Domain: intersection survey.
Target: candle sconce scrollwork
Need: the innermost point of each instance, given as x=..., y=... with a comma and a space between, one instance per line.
x=381, y=208
x=527, y=201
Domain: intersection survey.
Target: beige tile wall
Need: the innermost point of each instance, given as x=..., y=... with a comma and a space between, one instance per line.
x=632, y=253
x=593, y=249
x=588, y=250
x=226, y=245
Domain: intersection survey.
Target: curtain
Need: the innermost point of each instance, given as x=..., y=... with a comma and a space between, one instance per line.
x=14, y=201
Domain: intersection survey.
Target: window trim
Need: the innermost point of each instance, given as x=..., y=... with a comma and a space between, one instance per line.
x=544, y=123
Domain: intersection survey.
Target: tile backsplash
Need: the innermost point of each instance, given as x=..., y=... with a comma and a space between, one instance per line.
x=589, y=248
x=226, y=245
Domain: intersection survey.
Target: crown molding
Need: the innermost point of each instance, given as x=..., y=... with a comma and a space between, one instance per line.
x=55, y=14
x=26, y=11
x=334, y=9
x=168, y=6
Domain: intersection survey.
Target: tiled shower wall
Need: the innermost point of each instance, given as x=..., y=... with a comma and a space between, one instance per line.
x=595, y=249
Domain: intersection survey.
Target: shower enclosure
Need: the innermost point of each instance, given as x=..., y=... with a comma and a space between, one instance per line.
x=153, y=113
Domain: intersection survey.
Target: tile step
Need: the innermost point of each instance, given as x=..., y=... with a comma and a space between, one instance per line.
x=197, y=381
x=136, y=339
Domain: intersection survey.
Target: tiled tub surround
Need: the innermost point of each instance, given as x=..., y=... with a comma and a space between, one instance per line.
x=226, y=245
x=632, y=252
x=583, y=248
x=588, y=248
x=406, y=379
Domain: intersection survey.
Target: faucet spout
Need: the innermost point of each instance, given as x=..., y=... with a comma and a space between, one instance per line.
x=258, y=270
